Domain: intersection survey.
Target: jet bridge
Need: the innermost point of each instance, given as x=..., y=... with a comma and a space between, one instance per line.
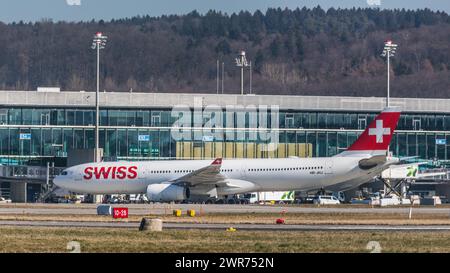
x=398, y=179
x=27, y=183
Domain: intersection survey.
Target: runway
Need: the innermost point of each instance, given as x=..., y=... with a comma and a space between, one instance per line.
x=162, y=209
x=260, y=227
x=144, y=210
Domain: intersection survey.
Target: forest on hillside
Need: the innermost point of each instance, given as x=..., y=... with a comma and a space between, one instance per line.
x=302, y=52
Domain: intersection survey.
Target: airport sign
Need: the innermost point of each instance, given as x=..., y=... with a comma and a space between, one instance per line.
x=120, y=213
x=208, y=138
x=144, y=138
x=24, y=136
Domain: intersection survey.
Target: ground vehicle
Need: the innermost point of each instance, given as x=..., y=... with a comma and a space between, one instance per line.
x=138, y=198
x=4, y=201
x=116, y=199
x=231, y=199
x=340, y=196
x=372, y=199
x=391, y=200
x=366, y=201
x=326, y=200
x=280, y=197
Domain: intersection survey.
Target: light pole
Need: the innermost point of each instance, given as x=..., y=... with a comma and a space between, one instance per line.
x=242, y=63
x=388, y=52
x=218, y=76
x=98, y=43
x=251, y=72
x=223, y=74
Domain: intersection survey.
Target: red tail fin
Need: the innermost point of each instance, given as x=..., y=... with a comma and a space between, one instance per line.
x=217, y=161
x=377, y=136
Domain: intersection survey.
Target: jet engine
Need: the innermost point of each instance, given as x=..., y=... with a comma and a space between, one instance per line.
x=167, y=193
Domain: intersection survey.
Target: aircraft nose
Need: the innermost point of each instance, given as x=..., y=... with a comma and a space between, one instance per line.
x=60, y=181
x=57, y=181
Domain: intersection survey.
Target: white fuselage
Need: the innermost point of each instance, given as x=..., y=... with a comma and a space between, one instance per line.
x=336, y=173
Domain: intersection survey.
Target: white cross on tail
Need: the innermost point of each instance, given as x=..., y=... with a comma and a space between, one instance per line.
x=379, y=131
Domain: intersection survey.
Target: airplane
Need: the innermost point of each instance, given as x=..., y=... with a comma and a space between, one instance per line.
x=177, y=180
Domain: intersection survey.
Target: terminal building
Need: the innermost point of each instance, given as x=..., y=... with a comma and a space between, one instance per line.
x=41, y=127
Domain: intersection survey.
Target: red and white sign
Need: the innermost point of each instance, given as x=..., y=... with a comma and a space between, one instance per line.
x=120, y=213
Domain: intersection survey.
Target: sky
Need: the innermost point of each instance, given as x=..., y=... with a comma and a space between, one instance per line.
x=84, y=10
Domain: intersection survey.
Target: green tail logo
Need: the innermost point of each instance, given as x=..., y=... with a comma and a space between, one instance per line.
x=288, y=195
x=412, y=171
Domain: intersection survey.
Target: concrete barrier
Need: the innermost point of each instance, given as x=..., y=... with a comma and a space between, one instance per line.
x=151, y=224
x=177, y=212
x=191, y=213
x=104, y=210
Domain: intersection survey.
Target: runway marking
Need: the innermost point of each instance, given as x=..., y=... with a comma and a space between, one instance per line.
x=260, y=227
x=161, y=209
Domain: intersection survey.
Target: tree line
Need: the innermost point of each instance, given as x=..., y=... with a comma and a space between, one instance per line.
x=293, y=52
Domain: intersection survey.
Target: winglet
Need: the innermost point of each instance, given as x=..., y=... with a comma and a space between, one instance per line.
x=217, y=161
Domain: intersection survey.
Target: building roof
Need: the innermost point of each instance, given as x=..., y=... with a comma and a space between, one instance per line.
x=168, y=100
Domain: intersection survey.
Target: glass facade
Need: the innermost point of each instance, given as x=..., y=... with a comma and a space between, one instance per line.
x=34, y=135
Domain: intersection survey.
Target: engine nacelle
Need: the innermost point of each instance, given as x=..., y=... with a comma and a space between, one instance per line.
x=167, y=193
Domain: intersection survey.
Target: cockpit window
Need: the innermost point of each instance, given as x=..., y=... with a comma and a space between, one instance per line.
x=64, y=173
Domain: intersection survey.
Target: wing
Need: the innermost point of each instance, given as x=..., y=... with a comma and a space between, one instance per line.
x=206, y=175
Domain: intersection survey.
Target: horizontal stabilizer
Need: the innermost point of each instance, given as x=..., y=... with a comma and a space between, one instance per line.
x=369, y=163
